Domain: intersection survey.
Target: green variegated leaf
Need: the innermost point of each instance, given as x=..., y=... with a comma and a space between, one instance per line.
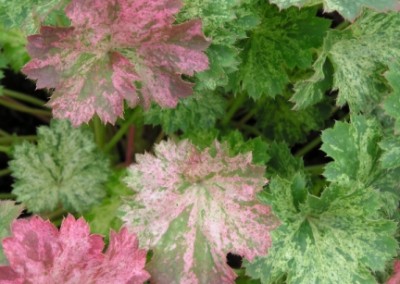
x=348, y=9
x=282, y=42
x=391, y=156
x=355, y=149
x=392, y=103
x=336, y=238
x=28, y=15
x=8, y=212
x=359, y=55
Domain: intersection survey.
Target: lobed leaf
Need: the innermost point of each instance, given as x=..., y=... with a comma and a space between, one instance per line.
x=205, y=206
x=64, y=167
x=338, y=237
x=359, y=55
x=282, y=42
x=8, y=212
x=39, y=253
x=115, y=51
x=348, y=9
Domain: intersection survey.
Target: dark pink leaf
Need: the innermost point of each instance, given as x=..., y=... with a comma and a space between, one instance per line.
x=194, y=207
x=39, y=253
x=116, y=50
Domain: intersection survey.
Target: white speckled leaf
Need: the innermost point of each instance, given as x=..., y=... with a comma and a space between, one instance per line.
x=349, y=9
x=336, y=238
x=192, y=208
x=359, y=55
x=64, y=167
x=8, y=212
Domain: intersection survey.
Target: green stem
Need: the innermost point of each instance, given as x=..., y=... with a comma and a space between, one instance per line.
x=5, y=149
x=315, y=169
x=11, y=139
x=58, y=213
x=237, y=103
x=7, y=196
x=5, y=172
x=99, y=132
x=120, y=133
x=22, y=108
x=24, y=97
x=307, y=148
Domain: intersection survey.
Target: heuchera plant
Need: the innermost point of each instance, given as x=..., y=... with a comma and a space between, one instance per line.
x=199, y=141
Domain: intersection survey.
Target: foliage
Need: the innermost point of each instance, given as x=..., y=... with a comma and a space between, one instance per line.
x=72, y=170
x=8, y=212
x=39, y=253
x=209, y=208
x=242, y=141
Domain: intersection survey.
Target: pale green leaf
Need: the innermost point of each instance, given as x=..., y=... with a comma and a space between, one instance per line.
x=64, y=167
x=8, y=212
x=349, y=9
x=392, y=103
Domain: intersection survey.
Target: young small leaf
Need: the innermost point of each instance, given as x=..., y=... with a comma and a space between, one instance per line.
x=64, y=167
x=193, y=207
x=39, y=253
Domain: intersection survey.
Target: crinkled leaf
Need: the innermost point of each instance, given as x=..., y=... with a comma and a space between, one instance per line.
x=336, y=238
x=64, y=167
x=12, y=49
x=193, y=207
x=128, y=50
x=392, y=103
x=355, y=149
x=348, y=9
x=282, y=42
x=8, y=212
x=39, y=253
x=198, y=112
x=225, y=22
x=28, y=15
x=359, y=55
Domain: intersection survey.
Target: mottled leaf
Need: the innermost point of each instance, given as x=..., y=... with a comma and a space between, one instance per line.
x=8, y=212
x=359, y=55
x=338, y=237
x=395, y=278
x=282, y=42
x=115, y=51
x=193, y=207
x=64, y=167
x=28, y=15
x=39, y=253
x=348, y=9
x=355, y=149
x=392, y=103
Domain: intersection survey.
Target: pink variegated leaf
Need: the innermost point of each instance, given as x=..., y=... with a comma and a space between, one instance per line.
x=116, y=50
x=395, y=278
x=39, y=253
x=194, y=207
